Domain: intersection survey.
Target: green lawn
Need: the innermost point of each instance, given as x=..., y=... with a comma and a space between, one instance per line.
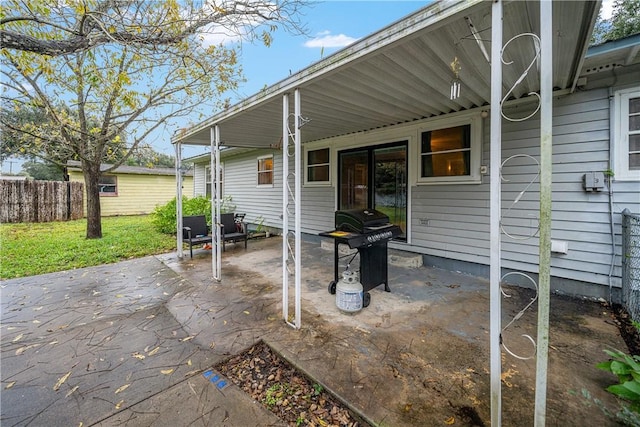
x=38, y=248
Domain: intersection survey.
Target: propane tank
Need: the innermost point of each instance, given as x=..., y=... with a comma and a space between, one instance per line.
x=349, y=292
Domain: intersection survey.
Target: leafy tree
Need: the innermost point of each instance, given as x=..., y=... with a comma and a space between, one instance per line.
x=147, y=157
x=44, y=171
x=624, y=22
x=93, y=95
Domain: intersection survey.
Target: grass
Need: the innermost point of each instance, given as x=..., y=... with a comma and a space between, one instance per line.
x=38, y=248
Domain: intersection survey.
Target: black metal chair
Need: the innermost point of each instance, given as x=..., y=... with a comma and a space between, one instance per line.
x=195, y=231
x=232, y=229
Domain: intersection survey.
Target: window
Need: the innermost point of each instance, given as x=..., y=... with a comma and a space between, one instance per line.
x=207, y=181
x=450, y=154
x=627, y=135
x=265, y=170
x=318, y=169
x=108, y=185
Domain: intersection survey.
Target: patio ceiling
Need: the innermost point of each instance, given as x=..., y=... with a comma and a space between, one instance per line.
x=402, y=73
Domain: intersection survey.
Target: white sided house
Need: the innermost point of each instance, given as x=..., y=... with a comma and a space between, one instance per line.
x=381, y=125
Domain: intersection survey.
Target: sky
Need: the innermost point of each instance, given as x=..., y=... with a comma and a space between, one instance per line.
x=330, y=25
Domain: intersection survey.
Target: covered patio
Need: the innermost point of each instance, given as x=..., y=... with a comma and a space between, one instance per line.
x=436, y=62
x=417, y=356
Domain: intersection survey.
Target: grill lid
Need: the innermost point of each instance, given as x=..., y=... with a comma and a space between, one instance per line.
x=358, y=220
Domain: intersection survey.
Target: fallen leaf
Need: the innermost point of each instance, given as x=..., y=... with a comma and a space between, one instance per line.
x=154, y=351
x=8, y=386
x=18, y=338
x=187, y=338
x=119, y=296
x=119, y=404
x=71, y=391
x=138, y=356
x=150, y=317
x=25, y=348
x=166, y=371
x=450, y=421
x=213, y=344
x=246, y=312
x=61, y=381
x=36, y=321
x=38, y=308
x=189, y=362
x=123, y=388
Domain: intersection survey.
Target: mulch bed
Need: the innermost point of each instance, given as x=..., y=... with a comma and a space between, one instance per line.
x=628, y=331
x=285, y=391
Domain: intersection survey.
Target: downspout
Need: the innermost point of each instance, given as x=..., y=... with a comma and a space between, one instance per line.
x=609, y=178
x=178, y=148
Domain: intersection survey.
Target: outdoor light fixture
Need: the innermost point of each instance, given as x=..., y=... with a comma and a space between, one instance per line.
x=455, y=83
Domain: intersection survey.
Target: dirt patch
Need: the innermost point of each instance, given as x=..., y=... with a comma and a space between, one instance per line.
x=285, y=391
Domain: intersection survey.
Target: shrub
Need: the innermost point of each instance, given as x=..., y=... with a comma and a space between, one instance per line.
x=627, y=368
x=164, y=220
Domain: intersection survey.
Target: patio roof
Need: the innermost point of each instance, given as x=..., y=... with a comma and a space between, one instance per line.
x=402, y=73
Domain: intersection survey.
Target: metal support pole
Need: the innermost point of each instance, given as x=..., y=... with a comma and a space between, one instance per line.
x=546, y=178
x=291, y=248
x=178, y=148
x=298, y=192
x=495, y=213
x=216, y=251
x=285, y=206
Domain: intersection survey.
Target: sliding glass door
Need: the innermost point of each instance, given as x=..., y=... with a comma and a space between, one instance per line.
x=375, y=177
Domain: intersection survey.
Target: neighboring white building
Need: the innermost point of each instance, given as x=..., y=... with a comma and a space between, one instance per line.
x=385, y=134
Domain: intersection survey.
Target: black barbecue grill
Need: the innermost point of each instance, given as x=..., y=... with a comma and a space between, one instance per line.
x=368, y=231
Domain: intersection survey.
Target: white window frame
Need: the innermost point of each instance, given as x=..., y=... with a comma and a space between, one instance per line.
x=207, y=180
x=273, y=171
x=101, y=185
x=621, y=135
x=474, y=177
x=308, y=183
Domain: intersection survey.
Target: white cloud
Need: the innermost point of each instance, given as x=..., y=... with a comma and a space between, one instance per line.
x=326, y=39
x=606, y=9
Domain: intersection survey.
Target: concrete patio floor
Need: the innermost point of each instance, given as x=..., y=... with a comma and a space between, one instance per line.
x=127, y=344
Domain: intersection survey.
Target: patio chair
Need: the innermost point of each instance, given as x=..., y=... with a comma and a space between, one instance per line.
x=195, y=231
x=232, y=229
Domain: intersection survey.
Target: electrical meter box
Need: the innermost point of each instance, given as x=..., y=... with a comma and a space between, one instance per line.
x=593, y=181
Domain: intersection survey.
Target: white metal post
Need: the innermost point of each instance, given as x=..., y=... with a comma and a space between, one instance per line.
x=179, y=198
x=298, y=190
x=546, y=178
x=495, y=213
x=214, y=167
x=291, y=248
x=285, y=206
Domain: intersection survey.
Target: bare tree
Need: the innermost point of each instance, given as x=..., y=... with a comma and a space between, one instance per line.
x=104, y=86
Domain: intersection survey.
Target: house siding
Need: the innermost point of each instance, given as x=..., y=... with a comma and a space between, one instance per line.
x=138, y=193
x=241, y=185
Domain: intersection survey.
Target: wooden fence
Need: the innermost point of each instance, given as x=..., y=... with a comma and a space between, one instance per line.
x=40, y=201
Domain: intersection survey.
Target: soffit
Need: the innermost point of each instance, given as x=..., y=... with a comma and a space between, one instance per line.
x=402, y=74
